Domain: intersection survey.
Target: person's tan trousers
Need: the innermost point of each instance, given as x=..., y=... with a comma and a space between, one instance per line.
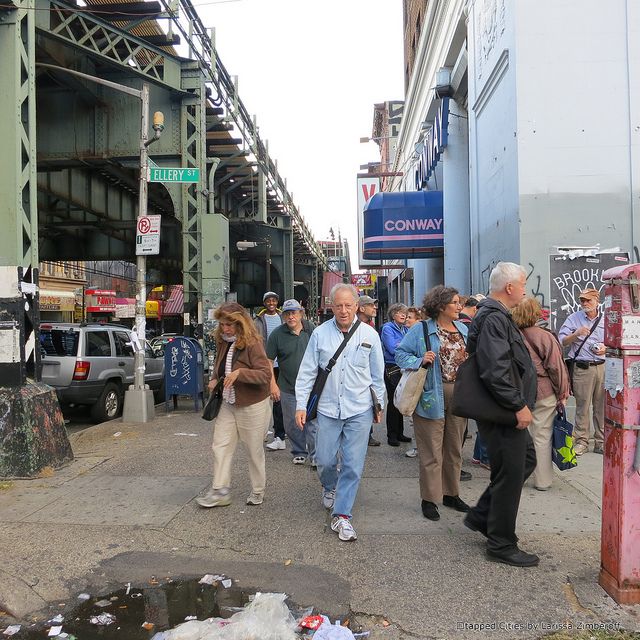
x=249, y=425
x=541, y=430
x=439, y=444
x=588, y=389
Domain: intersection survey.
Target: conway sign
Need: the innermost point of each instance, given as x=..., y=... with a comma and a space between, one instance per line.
x=404, y=225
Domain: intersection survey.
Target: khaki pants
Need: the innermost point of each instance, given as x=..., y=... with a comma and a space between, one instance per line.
x=541, y=430
x=439, y=444
x=249, y=425
x=588, y=389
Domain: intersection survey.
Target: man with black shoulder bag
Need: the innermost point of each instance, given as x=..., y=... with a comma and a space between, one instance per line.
x=583, y=333
x=340, y=383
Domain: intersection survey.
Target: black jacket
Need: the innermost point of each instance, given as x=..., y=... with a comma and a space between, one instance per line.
x=497, y=342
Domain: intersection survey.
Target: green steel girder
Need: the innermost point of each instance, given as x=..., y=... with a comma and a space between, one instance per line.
x=193, y=126
x=113, y=45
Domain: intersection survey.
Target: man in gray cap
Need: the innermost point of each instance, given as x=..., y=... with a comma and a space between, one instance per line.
x=287, y=344
x=266, y=321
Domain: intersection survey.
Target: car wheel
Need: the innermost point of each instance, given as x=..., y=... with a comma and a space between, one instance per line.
x=109, y=404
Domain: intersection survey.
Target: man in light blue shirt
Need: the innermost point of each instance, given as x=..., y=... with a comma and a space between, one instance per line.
x=346, y=406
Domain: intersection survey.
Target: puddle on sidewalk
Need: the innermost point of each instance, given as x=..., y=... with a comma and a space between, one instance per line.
x=163, y=607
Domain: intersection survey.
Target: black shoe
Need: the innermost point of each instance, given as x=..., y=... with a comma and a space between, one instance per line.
x=393, y=443
x=373, y=442
x=430, y=511
x=517, y=558
x=471, y=523
x=465, y=475
x=598, y=449
x=404, y=439
x=455, y=503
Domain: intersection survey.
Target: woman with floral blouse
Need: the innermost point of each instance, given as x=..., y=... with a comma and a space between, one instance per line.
x=438, y=433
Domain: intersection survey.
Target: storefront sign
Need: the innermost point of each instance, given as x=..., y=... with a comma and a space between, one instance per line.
x=100, y=301
x=434, y=143
x=57, y=300
x=404, y=225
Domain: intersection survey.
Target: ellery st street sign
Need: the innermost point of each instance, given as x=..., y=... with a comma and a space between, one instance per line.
x=177, y=174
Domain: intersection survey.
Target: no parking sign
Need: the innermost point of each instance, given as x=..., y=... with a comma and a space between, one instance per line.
x=148, y=235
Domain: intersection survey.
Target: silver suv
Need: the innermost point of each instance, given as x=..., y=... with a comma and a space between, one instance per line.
x=92, y=364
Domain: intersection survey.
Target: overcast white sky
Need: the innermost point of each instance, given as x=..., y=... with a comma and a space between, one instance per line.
x=311, y=73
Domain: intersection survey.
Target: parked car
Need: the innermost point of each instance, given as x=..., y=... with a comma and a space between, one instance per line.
x=158, y=343
x=93, y=364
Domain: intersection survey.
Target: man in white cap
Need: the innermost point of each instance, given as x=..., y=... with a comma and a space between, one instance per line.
x=287, y=344
x=266, y=321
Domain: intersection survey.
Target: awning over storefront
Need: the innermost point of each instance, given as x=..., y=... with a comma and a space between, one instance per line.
x=125, y=307
x=405, y=224
x=57, y=300
x=174, y=304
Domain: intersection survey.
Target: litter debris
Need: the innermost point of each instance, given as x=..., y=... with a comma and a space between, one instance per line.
x=190, y=618
x=385, y=623
x=148, y=625
x=84, y=596
x=208, y=579
x=54, y=631
x=226, y=583
x=311, y=622
x=11, y=630
x=181, y=433
x=328, y=631
x=266, y=617
x=117, y=434
x=287, y=562
x=103, y=603
x=56, y=620
x=128, y=589
x=103, y=620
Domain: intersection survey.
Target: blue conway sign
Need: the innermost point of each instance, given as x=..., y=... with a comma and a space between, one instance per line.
x=434, y=143
x=407, y=224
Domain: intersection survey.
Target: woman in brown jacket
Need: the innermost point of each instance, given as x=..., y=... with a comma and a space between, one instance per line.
x=246, y=408
x=553, y=385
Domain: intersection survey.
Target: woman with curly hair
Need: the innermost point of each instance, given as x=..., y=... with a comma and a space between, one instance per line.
x=438, y=433
x=553, y=385
x=246, y=372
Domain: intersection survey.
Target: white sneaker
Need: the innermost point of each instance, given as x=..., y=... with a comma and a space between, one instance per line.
x=266, y=435
x=313, y=463
x=299, y=459
x=255, y=498
x=328, y=498
x=214, y=498
x=412, y=453
x=276, y=445
x=344, y=529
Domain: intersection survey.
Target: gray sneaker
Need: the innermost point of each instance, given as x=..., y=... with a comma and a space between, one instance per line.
x=328, y=498
x=255, y=498
x=214, y=498
x=344, y=529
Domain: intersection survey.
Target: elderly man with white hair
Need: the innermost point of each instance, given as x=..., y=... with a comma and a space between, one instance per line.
x=346, y=406
x=506, y=369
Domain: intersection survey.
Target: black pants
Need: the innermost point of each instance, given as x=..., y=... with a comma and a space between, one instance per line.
x=278, y=422
x=395, y=420
x=512, y=458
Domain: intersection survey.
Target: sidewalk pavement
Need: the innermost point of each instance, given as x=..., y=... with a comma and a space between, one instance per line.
x=124, y=510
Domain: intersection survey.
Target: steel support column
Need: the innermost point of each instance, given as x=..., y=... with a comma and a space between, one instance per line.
x=193, y=140
x=287, y=259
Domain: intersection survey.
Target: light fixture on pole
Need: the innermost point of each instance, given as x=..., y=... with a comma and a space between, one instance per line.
x=243, y=245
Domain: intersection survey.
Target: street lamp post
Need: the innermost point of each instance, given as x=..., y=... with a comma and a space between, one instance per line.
x=138, y=400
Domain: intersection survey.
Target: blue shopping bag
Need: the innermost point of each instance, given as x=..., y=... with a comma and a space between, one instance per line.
x=562, y=453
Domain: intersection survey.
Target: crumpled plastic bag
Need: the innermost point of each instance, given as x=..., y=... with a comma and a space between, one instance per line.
x=266, y=617
x=328, y=631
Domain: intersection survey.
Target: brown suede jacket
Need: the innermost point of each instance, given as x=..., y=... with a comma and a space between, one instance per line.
x=546, y=354
x=254, y=378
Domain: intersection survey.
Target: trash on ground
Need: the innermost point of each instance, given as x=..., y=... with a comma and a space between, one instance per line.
x=181, y=433
x=208, y=579
x=328, y=631
x=117, y=434
x=287, y=562
x=148, y=625
x=226, y=583
x=56, y=620
x=311, y=622
x=54, y=631
x=84, y=596
x=103, y=603
x=103, y=620
x=266, y=617
x=187, y=618
x=11, y=630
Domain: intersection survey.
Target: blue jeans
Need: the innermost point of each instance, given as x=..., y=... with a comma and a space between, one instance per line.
x=299, y=439
x=350, y=438
x=480, y=450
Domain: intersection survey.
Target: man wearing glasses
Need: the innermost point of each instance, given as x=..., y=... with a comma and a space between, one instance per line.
x=583, y=333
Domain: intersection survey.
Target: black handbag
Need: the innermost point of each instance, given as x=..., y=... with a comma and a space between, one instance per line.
x=323, y=375
x=472, y=399
x=212, y=408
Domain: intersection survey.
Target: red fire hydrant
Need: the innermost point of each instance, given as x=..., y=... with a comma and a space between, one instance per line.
x=620, y=539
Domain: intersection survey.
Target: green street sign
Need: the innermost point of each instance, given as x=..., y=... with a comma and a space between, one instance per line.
x=178, y=174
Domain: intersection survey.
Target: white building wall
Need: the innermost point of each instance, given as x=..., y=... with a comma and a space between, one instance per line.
x=575, y=160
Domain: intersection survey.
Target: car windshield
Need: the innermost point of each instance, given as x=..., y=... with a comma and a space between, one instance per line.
x=59, y=342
